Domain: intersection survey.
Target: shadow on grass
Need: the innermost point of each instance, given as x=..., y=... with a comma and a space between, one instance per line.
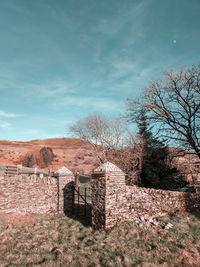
x=195, y=213
x=81, y=214
x=192, y=201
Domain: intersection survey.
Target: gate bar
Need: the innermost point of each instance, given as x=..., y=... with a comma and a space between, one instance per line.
x=85, y=202
x=78, y=199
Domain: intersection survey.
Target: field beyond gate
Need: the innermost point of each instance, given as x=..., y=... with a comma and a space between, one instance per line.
x=81, y=203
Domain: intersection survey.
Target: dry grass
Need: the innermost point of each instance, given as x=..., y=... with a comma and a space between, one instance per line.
x=34, y=240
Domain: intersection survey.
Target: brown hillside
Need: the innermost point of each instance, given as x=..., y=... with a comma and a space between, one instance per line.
x=73, y=153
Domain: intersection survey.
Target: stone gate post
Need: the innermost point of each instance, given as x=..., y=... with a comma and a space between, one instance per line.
x=65, y=193
x=106, y=184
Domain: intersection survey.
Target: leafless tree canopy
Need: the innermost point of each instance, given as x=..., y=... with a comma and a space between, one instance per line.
x=113, y=141
x=173, y=103
x=104, y=134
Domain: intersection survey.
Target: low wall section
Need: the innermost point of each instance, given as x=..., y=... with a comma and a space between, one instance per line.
x=20, y=194
x=28, y=193
x=114, y=202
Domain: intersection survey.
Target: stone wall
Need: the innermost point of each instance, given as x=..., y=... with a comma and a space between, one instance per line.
x=22, y=193
x=98, y=188
x=65, y=195
x=29, y=193
x=114, y=202
x=131, y=202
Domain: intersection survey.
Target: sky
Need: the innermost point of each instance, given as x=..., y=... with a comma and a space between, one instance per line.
x=63, y=60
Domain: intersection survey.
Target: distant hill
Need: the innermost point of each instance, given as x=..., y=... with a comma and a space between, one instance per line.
x=73, y=153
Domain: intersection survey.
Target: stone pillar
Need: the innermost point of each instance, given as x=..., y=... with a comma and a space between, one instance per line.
x=98, y=189
x=65, y=189
x=19, y=169
x=77, y=182
x=106, y=184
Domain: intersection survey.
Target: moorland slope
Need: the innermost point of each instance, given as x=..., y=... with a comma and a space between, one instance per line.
x=70, y=152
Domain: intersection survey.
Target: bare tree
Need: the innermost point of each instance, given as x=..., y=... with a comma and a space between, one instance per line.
x=193, y=173
x=112, y=140
x=173, y=105
x=102, y=133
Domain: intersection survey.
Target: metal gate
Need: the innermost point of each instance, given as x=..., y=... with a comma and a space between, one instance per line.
x=81, y=204
x=11, y=170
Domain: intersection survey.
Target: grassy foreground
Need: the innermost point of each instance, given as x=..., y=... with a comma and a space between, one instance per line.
x=41, y=240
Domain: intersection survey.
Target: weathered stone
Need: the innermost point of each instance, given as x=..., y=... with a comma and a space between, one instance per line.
x=120, y=203
x=65, y=192
x=107, y=167
x=23, y=193
x=113, y=201
x=29, y=193
x=63, y=171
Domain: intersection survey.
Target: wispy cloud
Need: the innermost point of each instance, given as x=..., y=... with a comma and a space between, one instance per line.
x=21, y=9
x=123, y=14
x=52, y=89
x=9, y=115
x=123, y=68
x=4, y=125
x=28, y=90
x=94, y=103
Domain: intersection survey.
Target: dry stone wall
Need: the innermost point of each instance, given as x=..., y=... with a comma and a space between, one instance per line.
x=22, y=194
x=131, y=202
x=29, y=193
x=65, y=194
x=98, y=188
x=114, y=202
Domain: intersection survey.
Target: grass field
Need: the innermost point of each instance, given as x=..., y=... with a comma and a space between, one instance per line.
x=44, y=240
x=84, y=189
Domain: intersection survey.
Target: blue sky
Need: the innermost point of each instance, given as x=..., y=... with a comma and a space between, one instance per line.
x=62, y=60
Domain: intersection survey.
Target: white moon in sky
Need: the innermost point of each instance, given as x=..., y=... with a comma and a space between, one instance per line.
x=174, y=41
